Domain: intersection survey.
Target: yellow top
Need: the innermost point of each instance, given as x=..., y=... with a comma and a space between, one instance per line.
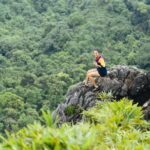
x=102, y=62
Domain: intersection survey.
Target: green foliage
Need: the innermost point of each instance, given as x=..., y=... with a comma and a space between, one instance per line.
x=105, y=96
x=13, y=114
x=122, y=114
x=119, y=125
x=143, y=60
x=72, y=110
x=48, y=119
x=45, y=46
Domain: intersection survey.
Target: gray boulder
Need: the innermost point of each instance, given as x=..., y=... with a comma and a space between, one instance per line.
x=122, y=81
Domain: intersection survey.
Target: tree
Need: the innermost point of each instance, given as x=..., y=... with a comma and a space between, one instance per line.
x=11, y=106
x=143, y=57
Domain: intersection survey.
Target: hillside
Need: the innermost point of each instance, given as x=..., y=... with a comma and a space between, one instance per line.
x=45, y=46
x=89, y=120
x=121, y=82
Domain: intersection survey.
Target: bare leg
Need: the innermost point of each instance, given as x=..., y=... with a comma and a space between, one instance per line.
x=87, y=75
x=92, y=80
x=91, y=75
x=92, y=70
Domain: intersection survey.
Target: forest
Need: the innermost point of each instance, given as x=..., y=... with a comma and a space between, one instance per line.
x=46, y=46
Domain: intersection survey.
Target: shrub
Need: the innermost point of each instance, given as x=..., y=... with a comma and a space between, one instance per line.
x=115, y=125
x=122, y=114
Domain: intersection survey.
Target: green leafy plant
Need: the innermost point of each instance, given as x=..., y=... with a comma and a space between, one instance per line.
x=72, y=110
x=110, y=125
x=105, y=96
x=122, y=114
x=47, y=118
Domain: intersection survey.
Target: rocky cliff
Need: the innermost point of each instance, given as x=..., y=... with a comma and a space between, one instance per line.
x=121, y=81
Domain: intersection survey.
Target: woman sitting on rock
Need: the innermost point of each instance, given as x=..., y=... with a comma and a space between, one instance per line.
x=99, y=71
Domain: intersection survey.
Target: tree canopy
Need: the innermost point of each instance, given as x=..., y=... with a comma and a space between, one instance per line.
x=45, y=46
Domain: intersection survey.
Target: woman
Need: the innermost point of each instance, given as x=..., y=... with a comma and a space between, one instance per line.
x=100, y=70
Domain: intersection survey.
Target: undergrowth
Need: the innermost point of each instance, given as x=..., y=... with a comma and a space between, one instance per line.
x=113, y=125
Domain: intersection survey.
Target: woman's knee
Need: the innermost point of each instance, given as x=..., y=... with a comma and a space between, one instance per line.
x=89, y=75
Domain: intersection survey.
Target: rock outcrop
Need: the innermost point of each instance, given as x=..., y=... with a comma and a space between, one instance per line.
x=121, y=81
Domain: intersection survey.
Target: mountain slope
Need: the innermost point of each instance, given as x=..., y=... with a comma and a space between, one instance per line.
x=122, y=81
x=45, y=46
